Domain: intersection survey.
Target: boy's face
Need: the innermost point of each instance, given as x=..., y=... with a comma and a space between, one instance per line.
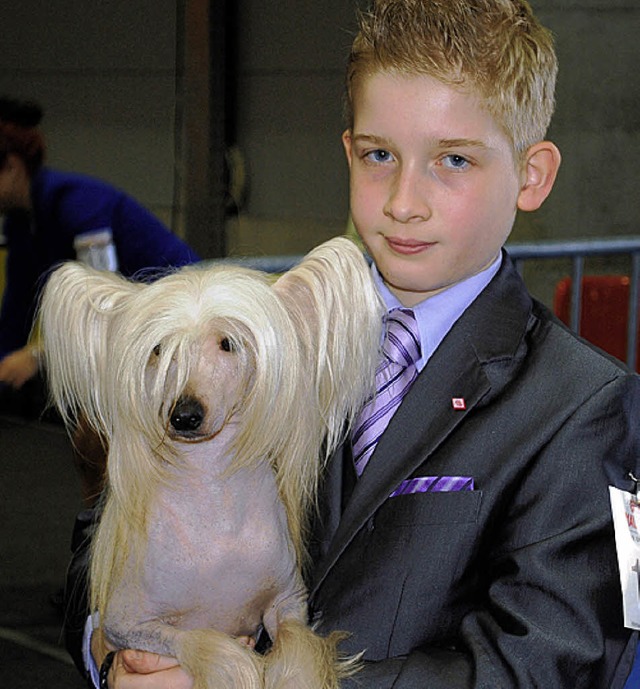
x=434, y=182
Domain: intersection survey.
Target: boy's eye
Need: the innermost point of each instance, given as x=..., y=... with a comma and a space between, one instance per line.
x=455, y=162
x=379, y=156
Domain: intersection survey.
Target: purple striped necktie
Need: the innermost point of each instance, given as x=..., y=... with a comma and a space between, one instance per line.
x=395, y=374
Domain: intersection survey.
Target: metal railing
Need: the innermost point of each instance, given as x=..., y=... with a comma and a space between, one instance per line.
x=574, y=250
x=577, y=251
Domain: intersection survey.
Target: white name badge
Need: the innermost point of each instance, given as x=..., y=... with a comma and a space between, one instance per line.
x=625, y=508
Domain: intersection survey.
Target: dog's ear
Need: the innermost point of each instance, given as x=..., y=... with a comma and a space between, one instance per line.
x=337, y=312
x=74, y=314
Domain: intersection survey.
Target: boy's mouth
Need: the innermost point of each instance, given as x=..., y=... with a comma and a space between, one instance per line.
x=407, y=247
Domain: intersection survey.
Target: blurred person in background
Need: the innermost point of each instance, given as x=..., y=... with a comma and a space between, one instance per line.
x=52, y=216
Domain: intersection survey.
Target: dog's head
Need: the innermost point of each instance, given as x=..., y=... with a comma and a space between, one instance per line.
x=177, y=360
x=211, y=347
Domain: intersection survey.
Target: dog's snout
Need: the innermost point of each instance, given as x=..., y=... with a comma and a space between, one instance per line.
x=187, y=415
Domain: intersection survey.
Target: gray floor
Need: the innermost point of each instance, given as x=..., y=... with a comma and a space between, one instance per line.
x=39, y=497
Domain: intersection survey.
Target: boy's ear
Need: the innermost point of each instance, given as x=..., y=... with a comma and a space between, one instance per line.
x=542, y=161
x=346, y=142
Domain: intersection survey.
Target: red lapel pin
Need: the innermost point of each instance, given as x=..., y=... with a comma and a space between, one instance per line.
x=458, y=403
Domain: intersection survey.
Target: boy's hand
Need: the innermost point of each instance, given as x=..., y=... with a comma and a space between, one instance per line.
x=139, y=669
x=133, y=669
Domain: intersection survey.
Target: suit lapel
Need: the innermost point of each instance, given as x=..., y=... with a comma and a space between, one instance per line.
x=474, y=362
x=423, y=420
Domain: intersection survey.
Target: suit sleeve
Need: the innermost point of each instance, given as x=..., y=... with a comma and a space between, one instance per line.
x=549, y=614
x=76, y=600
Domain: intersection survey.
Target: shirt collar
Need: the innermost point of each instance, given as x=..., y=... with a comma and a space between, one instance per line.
x=437, y=314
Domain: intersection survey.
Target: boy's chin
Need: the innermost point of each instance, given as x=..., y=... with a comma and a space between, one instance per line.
x=411, y=290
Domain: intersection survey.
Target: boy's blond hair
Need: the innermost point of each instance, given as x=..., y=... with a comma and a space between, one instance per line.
x=496, y=47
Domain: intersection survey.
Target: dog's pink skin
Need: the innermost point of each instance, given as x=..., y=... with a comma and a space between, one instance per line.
x=197, y=572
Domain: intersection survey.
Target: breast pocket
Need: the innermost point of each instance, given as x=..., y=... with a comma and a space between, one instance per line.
x=455, y=507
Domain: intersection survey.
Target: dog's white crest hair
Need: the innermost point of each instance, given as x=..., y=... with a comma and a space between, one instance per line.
x=74, y=321
x=338, y=315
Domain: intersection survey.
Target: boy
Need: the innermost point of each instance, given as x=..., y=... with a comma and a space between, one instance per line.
x=473, y=545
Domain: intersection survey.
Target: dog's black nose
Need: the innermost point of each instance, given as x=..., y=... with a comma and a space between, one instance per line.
x=187, y=415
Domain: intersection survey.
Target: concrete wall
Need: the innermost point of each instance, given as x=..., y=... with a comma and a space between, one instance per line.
x=291, y=67
x=106, y=75
x=597, y=121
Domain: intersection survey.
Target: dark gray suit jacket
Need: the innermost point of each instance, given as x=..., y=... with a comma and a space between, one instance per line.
x=514, y=584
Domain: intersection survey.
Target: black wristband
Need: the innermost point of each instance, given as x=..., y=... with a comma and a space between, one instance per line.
x=104, y=669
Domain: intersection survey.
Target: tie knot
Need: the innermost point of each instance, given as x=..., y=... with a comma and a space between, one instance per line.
x=402, y=342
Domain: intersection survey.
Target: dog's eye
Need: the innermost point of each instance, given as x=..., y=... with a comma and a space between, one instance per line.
x=156, y=350
x=225, y=345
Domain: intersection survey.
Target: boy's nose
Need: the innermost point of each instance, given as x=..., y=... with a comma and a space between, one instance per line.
x=407, y=199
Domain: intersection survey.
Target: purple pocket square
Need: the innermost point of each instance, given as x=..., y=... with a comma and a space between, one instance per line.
x=433, y=484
